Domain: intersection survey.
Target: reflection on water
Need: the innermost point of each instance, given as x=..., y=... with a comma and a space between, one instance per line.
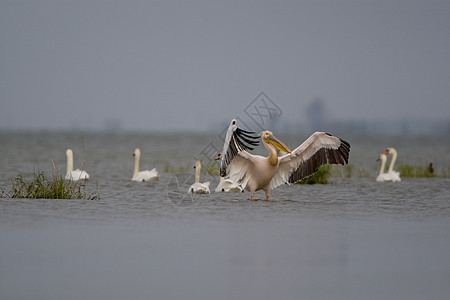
x=351, y=239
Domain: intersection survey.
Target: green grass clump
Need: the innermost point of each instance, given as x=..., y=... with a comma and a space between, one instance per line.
x=416, y=171
x=321, y=176
x=41, y=187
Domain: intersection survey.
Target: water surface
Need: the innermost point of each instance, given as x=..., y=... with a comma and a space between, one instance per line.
x=351, y=239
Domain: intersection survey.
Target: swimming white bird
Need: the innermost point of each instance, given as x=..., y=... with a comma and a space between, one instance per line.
x=72, y=174
x=382, y=176
x=255, y=172
x=147, y=175
x=226, y=184
x=198, y=187
x=394, y=175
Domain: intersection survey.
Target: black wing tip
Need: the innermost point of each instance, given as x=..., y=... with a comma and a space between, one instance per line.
x=344, y=142
x=246, y=139
x=344, y=150
x=240, y=140
x=245, y=131
x=248, y=134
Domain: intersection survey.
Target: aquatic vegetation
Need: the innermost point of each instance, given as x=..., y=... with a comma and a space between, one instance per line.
x=446, y=173
x=42, y=187
x=417, y=171
x=212, y=168
x=169, y=168
x=321, y=176
x=347, y=171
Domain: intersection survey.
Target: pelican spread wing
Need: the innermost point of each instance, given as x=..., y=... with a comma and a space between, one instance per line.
x=319, y=149
x=256, y=172
x=237, y=141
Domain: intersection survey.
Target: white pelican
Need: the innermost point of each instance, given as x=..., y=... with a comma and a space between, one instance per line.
x=198, y=187
x=394, y=175
x=226, y=184
x=72, y=174
x=147, y=175
x=255, y=172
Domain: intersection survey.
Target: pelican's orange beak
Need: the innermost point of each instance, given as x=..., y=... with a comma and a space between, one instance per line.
x=277, y=143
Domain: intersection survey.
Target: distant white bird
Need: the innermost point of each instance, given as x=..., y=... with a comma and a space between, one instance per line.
x=226, y=184
x=197, y=187
x=394, y=175
x=72, y=174
x=382, y=176
x=256, y=172
x=147, y=175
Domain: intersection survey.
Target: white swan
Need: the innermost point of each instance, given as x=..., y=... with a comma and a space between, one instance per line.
x=197, y=187
x=228, y=185
x=382, y=176
x=147, y=175
x=72, y=174
x=388, y=176
x=394, y=175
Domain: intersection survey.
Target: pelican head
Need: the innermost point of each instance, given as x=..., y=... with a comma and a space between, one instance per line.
x=269, y=138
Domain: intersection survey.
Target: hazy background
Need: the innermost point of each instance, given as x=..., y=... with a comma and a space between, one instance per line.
x=193, y=65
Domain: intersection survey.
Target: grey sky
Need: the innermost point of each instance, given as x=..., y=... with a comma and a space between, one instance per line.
x=184, y=65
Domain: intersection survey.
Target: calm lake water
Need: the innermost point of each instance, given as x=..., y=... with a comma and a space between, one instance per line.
x=353, y=238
